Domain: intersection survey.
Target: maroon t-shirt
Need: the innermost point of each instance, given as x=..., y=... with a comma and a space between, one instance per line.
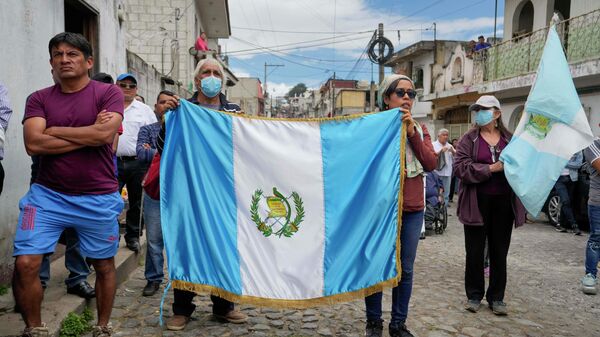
x=89, y=170
x=497, y=184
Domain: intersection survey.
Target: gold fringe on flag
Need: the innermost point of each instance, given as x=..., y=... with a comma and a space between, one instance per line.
x=276, y=303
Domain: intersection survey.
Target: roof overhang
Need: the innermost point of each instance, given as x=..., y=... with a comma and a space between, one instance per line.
x=413, y=50
x=214, y=15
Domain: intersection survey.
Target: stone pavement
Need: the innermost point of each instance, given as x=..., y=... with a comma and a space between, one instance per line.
x=543, y=296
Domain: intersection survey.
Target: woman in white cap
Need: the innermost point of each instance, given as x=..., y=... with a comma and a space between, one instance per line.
x=398, y=91
x=487, y=206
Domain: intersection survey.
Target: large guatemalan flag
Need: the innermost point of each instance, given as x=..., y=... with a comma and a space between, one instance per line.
x=553, y=127
x=281, y=212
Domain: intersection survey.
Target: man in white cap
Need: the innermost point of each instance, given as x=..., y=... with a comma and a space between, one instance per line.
x=132, y=171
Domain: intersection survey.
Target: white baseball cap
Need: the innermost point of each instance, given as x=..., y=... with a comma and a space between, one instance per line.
x=486, y=101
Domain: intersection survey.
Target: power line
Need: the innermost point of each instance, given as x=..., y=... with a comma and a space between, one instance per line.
x=286, y=59
x=249, y=51
x=298, y=32
x=261, y=50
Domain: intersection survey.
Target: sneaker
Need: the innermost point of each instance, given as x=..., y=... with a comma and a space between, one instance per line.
x=102, y=331
x=473, y=305
x=422, y=237
x=38, y=331
x=588, y=284
x=177, y=322
x=151, y=288
x=234, y=316
x=374, y=328
x=400, y=331
x=499, y=308
x=560, y=229
x=576, y=229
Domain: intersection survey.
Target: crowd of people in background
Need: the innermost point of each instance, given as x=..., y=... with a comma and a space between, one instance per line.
x=89, y=138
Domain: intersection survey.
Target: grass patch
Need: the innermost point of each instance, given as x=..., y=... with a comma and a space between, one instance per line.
x=74, y=325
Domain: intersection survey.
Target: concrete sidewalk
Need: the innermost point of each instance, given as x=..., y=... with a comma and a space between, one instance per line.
x=57, y=303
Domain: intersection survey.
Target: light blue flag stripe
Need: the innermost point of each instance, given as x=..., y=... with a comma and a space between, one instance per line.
x=535, y=184
x=361, y=176
x=553, y=94
x=199, y=160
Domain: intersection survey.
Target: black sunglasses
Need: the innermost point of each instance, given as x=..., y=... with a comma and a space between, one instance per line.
x=401, y=92
x=127, y=86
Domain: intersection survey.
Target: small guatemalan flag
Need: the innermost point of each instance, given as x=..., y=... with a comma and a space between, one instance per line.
x=552, y=129
x=282, y=212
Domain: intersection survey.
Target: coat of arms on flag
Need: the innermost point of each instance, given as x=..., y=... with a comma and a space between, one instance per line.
x=312, y=218
x=278, y=220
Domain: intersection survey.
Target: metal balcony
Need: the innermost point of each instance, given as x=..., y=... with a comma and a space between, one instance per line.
x=521, y=55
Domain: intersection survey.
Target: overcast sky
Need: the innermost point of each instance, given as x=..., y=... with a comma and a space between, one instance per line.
x=267, y=23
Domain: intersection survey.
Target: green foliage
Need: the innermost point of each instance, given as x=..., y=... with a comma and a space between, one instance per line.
x=3, y=289
x=75, y=325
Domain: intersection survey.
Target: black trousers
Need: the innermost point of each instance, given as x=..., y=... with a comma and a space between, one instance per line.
x=182, y=304
x=1, y=177
x=498, y=221
x=131, y=173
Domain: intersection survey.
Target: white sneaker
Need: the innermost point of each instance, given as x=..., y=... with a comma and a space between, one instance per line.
x=588, y=284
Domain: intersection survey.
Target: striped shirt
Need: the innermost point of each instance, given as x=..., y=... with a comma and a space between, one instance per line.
x=5, y=112
x=592, y=153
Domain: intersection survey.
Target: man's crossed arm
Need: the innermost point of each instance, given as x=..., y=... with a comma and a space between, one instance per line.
x=62, y=139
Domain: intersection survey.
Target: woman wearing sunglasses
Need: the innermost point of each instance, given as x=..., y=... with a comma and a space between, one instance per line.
x=487, y=206
x=398, y=91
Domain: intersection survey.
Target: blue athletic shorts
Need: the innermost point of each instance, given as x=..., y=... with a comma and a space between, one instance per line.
x=46, y=213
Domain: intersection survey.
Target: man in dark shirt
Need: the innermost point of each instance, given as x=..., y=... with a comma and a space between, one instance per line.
x=481, y=44
x=76, y=186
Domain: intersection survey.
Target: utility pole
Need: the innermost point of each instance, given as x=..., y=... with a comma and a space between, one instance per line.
x=265, y=84
x=495, y=18
x=381, y=51
x=332, y=90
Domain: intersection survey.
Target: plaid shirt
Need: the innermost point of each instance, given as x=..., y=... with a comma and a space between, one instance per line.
x=5, y=112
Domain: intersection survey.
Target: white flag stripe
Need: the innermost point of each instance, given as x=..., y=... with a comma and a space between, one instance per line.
x=563, y=149
x=279, y=267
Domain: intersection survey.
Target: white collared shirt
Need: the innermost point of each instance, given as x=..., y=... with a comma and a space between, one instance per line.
x=446, y=171
x=136, y=115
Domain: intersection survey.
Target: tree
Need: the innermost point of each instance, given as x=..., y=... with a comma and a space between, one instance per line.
x=299, y=89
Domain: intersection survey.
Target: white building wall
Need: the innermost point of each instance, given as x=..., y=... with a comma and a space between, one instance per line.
x=591, y=105
x=26, y=27
x=580, y=7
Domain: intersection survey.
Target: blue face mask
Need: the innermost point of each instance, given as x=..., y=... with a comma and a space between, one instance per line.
x=484, y=117
x=210, y=86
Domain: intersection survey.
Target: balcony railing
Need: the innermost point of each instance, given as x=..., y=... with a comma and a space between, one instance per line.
x=580, y=37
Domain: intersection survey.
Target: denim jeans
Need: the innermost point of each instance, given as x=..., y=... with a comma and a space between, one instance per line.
x=155, y=245
x=592, y=251
x=564, y=187
x=409, y=239
x=446, y=181
x=74, y=262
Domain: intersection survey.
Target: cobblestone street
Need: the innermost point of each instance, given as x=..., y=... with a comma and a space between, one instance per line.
x=543, y=297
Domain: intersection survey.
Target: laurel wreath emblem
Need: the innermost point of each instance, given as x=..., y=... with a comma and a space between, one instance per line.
x=290, y=227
